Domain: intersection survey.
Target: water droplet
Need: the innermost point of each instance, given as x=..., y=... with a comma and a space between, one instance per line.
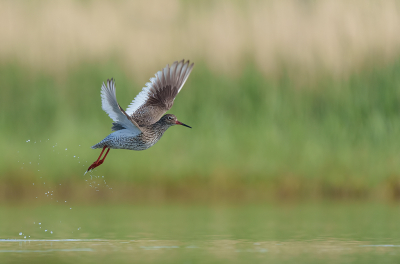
x=66, y=149
x=40, y=223
x=20, y=233
x=33, y=183
x=45, y=230
x=51, y=232
x=28, y=140
x=24, y=236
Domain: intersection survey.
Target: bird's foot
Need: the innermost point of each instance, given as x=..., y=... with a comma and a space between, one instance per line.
x=99, y=161
x=95, y=164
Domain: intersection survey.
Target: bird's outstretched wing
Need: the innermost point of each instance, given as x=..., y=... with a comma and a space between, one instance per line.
x=158, y=96
x=113, y=109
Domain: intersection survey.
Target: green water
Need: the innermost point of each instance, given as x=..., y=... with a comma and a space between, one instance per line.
x=187, y=233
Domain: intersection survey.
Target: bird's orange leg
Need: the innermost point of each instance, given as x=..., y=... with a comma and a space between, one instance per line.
x=99, y=161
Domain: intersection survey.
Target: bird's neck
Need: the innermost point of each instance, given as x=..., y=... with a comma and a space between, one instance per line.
x=159, y=128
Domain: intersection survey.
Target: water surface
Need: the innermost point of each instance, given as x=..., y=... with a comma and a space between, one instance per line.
x=172, y=233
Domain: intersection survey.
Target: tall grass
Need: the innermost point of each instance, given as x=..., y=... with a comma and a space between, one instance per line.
x=247, y=131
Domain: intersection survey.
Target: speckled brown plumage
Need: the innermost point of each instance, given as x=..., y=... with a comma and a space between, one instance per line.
x=149, y=136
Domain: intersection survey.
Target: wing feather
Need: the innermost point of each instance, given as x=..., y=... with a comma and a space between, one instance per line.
x=110, y=105
x=159, y=94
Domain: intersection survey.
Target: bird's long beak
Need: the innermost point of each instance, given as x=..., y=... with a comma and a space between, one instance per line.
x=182, y=124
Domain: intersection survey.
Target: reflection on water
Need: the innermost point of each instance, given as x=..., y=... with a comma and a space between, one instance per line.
x=224, y=250
x=302, y=233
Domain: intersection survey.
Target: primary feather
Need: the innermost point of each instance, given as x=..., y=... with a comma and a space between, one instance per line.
x=159, y=94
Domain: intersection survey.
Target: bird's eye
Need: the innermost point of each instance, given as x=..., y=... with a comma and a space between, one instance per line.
x=170, y=118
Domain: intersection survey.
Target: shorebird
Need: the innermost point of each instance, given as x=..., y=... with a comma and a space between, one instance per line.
x=143, y=123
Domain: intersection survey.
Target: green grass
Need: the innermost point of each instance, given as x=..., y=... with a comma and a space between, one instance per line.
x=322, y=137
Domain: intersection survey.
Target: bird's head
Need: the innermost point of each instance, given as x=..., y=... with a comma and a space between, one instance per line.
x=172, y=120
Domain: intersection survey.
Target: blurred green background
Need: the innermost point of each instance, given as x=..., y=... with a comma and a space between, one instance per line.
x=288, y=100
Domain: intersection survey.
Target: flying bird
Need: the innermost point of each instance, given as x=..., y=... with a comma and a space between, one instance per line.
x=143, y=123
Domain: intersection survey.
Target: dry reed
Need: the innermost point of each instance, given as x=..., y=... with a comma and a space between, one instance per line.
x=338, y=37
